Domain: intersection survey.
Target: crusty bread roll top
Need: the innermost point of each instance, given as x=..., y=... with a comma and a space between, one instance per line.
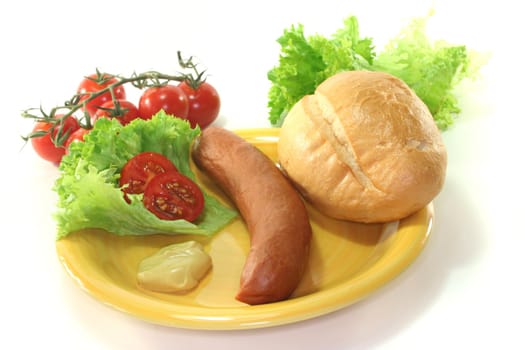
x=364, y=148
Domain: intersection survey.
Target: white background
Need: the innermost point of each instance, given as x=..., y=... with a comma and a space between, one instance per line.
x=464, y=291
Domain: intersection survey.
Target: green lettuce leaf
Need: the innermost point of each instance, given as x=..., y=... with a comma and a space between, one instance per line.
x=88, y=191
x=305, y=62
x=431, y=69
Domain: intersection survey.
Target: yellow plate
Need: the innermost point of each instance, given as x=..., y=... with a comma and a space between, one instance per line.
x=348, y=261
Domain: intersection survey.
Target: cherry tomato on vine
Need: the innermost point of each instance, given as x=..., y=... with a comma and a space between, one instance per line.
x=123, y=110
x=76, y=136
x=88, y=86
x=204, y=103
x=140, y=169
x=173, y=196
x=44, y=145
x=170, y=98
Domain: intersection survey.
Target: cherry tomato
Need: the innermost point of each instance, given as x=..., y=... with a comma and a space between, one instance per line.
x=87, y=86
x=44, y=146
x=170, y=98
x=173, y=196
x=121, y=109
x=139, y=170
x=204, y=103
x=76, y=136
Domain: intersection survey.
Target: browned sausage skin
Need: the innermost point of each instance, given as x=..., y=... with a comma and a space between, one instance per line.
x=274, y=213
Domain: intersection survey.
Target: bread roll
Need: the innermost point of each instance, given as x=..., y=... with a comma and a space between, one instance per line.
x=363, y=148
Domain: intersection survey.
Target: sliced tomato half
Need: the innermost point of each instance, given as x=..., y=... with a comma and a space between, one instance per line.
x=173, y=196
x=139, y=170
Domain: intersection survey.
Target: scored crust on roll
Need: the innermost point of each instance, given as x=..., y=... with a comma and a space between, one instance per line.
x=363, y=147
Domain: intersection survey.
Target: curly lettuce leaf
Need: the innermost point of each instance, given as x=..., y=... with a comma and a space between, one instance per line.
x=431, y=69
x=305, y=62
x=88, y=191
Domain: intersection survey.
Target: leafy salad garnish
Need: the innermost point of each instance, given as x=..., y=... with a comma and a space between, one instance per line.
x=88, y=191
x=431, y=69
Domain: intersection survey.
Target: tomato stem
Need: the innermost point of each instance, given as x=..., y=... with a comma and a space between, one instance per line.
x=195, y=79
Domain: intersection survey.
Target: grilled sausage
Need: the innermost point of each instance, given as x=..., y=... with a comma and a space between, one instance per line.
x=275, y=215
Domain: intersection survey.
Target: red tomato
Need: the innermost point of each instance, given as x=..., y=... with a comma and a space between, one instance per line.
x=173, y=196
x=204, y=104
x=170, y=98
x=121, y=109
x=44, y=146
x=76, y=136
x=88, y=86
x=139, y=170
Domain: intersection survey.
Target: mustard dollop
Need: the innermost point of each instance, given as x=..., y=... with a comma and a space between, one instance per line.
x=175, y=268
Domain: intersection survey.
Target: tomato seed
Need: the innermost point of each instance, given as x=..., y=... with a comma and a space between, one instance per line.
x=168, y=207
